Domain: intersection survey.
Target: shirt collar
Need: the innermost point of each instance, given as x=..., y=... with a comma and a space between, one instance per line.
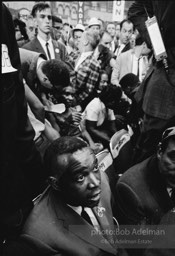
x=77, y=209
x=42, y=41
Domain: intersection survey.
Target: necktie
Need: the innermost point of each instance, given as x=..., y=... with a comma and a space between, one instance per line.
x=138, y=68
x=86, y=216
x=117, y=51
x=48, y=52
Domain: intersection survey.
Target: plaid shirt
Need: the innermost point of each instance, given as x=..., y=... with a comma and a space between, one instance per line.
x=87, y=77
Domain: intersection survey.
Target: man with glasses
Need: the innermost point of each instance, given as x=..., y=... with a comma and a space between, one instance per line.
x=43, y=43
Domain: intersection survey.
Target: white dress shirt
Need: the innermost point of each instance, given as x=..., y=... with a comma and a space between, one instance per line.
x=50, y=46
x=143, y=62
x=119, y=49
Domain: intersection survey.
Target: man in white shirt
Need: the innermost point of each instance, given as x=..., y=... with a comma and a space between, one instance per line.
x=43, y=42
x=132, y=61
x=112, y=31
x=126, y=30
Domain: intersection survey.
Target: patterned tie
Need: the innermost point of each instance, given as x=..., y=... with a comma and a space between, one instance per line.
x=86, y=216
x=48, y=52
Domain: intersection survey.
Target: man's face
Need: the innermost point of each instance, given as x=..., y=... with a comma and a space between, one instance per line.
x=82, y=183
x=30, y=28
x=103, y=82
x=43, y=21
x=111, y=29
x=77, y=38
x=167, y=164
x=126, y=32
x=95, y=28
x=65, y=32
x=106, y=40
x=145, y=49
x=57, y=26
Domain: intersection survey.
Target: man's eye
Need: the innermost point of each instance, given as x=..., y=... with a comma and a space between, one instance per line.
x=96, y=168
x=80, y=178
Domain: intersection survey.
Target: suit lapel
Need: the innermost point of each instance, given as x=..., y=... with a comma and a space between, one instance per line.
x=78, y=226
x=38, y=46
x=56, y=50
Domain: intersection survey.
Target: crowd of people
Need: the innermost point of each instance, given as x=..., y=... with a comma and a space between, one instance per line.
x=69, y=94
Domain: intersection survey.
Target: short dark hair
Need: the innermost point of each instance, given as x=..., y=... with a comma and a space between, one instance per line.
x=67, y=24
x=110, y=93
x=39, y=7
x=167, y=136
x=61, y=146
x=128, y=21
x=56, y=19
x=129, y=80
x=57, y=72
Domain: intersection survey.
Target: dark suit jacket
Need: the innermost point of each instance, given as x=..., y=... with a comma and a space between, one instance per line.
x=142, y=195
x=59, y=48
x=164, y=245
x=158, y=88
x=53, y=228
x=29, y=65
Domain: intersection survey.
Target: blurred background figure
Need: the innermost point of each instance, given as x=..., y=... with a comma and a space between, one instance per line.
x=94, y=25
x=57, y=25
x=31, y=28
x=20, y=32
x=65, y=33
x=24, y=14
x=112, y=31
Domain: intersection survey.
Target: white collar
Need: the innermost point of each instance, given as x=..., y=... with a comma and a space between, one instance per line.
x=77, y=209
x=42, y=41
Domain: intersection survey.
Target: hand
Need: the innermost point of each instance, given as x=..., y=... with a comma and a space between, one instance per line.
x=76, y=117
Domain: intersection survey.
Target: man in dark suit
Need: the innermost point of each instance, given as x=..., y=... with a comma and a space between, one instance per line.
x=144, y=192
x=126, y=31
x=157, y=91
x=164, y=245
x=70, y=215
x=43, y=42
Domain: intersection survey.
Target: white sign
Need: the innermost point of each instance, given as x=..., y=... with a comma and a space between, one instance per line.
x=118, y=10
x=5, y=60
x=80, y=12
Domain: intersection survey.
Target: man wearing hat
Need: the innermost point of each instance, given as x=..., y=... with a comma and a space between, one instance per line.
x=94, y=25
x=77, y=34
x=145, y=192
x=73, y=216
x=76, y=38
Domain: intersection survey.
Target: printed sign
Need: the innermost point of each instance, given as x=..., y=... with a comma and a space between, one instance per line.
x=5, y=60
x=81, y=12
x=118, y=10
